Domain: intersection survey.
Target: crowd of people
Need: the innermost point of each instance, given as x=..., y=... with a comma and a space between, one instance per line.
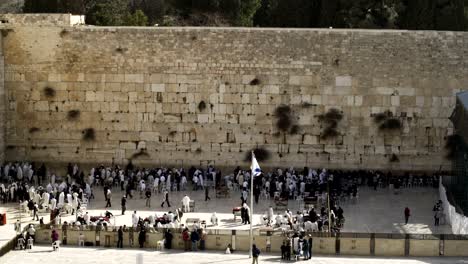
x=40, y=189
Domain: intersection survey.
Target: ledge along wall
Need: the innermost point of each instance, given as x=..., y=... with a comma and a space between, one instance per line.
x=183, y=96
x=322, y=244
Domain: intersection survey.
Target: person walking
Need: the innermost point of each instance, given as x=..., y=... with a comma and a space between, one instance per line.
x=120, y=238
x=207, y=193
x=18, y=226
x=407, y=215
x=166, y=198
x=148, y=197
x=255, y=254
x=310, y=246
x=108, y=198
x=436, y=217
x=32, y=233
x=123, y=203
x=35, y=209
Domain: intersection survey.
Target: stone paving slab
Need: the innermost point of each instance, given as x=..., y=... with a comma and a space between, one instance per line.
x=75, y=255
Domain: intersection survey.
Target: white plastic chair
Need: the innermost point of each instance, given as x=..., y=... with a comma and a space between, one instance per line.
x=160, y=245
x=81, y=240
x=30, y=243
x=56, y=245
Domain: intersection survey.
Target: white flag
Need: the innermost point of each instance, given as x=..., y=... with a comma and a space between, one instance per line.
x=255, y=167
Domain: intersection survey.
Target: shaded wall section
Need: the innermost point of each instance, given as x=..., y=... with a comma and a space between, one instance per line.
x=3, y=103
x=181, y=96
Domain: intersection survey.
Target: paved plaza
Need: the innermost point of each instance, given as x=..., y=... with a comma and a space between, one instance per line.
x=378, y=211
x=72, y=255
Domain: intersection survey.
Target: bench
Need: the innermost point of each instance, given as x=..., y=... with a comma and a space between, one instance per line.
x=192, y=221
x=224, y=193
x=281, y=205
x=236, y=211
x=192, y=206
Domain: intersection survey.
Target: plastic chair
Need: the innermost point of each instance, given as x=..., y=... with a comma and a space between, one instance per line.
x=81, y=240
x=56, y=245
x=160, y=245
x=30, y=243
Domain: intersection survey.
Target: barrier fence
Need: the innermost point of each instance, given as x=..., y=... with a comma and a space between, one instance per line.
x=365, y=244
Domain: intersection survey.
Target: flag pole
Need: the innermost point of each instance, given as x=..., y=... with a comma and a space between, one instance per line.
x=251, y=208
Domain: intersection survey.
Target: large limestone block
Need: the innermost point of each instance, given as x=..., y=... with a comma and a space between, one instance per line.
x=134, y=78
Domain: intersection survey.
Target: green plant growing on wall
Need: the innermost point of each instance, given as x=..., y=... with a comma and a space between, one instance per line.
x=6, y=31
x=261, y=154
x=295, y=129
x=89, y=134
x=306, y=105
x=64, y=33
x=255, y=82
x=120, y=50
x=201, y=106
x=73, y=115
x=331, y=119
x=391, y=124
x=141, y=153
x=387, y=121
x=286, y=121
x=49, y=92
x=33, y=130
x=394, y=158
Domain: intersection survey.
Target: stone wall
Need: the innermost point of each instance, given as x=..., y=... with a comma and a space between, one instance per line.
x=2, y=104
x=141, y=91
x=42, y=19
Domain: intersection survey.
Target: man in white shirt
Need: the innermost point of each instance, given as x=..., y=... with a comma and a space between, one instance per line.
x=134, y=219
x=86, y=218
x=186, y=204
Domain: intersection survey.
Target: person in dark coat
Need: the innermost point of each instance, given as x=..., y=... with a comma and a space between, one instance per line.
x=142, y=238
x=194, y=237
x=120, y=238
x=255, y=254
x=123, y=203
x=168, y=239
x=283, y=251
x=243, y=214
x=310, y=246
x=207, y=193
x=407, y=215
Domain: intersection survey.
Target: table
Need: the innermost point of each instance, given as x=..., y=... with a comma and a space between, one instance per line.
x=236, y=211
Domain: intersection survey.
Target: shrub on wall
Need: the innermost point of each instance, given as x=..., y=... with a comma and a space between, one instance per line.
x=261, y=154
x=391, y=124
x=34, y=130
x=49, y=92
x=394, y=158
x=89, y=134
x=254, y=82
x=387, y=121
x=140, y=153
x=73, y=114
x=201, y=106
x=284, y=120
x=331, y=119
